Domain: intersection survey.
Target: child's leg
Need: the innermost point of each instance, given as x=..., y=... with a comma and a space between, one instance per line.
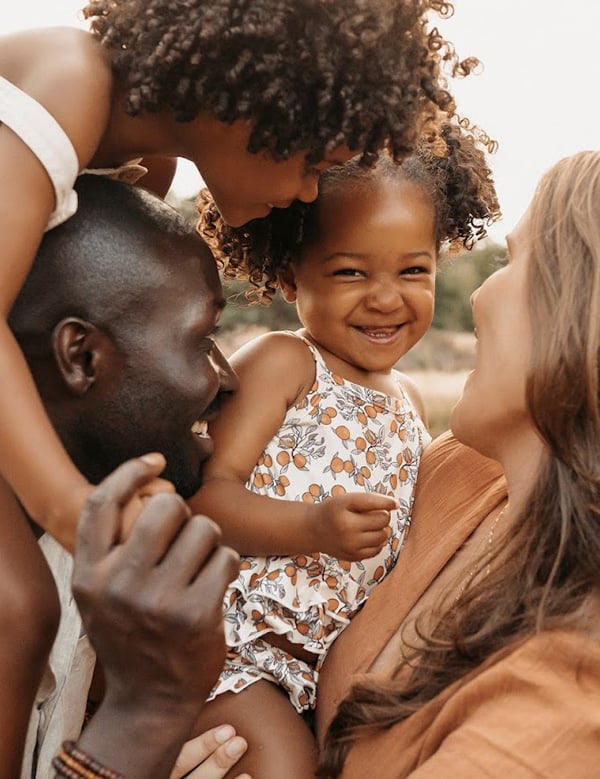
x=280, y=743
x=29, y=615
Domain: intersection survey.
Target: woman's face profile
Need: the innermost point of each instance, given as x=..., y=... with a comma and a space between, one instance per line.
x=492, y=411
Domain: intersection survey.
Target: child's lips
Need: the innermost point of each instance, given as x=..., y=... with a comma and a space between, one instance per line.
x=378, y=333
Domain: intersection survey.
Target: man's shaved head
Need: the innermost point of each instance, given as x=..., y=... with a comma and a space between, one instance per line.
x=115, y=321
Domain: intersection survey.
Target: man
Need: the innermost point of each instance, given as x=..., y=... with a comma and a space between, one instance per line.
x=115, y=321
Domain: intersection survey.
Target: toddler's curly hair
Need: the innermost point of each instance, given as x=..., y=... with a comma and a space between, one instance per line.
x=449, y=164
x=308, y=74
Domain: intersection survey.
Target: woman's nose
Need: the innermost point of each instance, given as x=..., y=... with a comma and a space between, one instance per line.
x=309, y=189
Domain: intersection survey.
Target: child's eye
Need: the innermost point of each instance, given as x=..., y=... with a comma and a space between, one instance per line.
x=414, y=270
x=352, y=272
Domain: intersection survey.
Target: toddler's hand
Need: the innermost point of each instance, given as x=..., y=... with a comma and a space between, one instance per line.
x=353, y=526
x=134, y=506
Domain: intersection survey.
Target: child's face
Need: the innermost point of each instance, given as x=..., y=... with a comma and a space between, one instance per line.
x=364, y=286
x=247, y=186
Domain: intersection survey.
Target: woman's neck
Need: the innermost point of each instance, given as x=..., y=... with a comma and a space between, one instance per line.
x=145, y=135
x=521, y=455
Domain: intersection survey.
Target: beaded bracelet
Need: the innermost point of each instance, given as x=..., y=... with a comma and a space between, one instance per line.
x=72, y=763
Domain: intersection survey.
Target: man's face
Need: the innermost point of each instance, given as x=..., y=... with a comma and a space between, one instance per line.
x=166, y=373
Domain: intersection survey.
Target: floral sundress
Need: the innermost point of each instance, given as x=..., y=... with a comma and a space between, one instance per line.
x=341, y=437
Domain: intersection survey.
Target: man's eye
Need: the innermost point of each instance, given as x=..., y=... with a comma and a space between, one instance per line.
x=207, y=344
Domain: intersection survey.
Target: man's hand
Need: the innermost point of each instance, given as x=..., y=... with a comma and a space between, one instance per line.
x=152, y=607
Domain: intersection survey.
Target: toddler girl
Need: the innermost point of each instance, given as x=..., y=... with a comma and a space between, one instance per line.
x=316, y=455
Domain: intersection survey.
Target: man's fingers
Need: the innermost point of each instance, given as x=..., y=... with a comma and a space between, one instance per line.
x=193, y=546
x=156, y=485
x=210, y=755
x=159, y=522
x=213, y=577
x=100, y=520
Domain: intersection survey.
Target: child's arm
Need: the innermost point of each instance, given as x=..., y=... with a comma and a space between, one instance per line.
x=274, y=371
x=72, y=85
x=414, y=395
x=32, y=459
x=29, y=616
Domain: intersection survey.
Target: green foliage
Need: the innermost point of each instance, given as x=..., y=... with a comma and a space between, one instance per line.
x=279, y=315
x=457, y=278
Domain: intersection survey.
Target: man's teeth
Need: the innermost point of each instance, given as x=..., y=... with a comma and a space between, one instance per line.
x=200, y=427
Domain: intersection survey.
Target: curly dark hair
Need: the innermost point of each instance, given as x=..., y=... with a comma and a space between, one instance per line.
x=308, y=74
x=449, y=164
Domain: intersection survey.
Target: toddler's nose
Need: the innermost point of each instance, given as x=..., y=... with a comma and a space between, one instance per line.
x=384, y=296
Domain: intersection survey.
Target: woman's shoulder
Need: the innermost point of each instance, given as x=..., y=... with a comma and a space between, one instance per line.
x=43, y=54
x=68, y=73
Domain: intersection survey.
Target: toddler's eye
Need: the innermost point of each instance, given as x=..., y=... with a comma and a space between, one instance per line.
x=415, y=270
x=352, y=272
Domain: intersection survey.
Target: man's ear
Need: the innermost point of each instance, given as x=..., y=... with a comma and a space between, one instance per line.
x=287, y=284
x=78, y=348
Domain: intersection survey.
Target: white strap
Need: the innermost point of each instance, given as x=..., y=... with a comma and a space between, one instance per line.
x=40, y=131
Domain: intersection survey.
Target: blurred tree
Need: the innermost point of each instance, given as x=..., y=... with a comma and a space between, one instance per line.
x=457, y=278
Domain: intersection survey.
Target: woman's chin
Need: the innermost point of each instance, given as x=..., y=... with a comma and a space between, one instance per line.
x=461, y=422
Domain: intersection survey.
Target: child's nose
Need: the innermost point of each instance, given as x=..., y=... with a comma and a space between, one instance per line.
x=309, y=189
x=385, y=296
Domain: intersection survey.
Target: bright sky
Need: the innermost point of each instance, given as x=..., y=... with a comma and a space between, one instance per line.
x=538, y=93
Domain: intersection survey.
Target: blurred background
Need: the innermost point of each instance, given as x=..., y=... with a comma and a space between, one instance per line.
x=536, y=93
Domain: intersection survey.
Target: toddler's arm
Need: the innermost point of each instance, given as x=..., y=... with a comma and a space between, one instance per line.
x=414, y=394
x=275, y=371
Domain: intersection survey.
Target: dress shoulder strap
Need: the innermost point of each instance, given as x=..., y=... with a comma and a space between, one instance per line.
x=40, y=131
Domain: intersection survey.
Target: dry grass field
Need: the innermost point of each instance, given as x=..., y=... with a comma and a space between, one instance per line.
x=438, y=364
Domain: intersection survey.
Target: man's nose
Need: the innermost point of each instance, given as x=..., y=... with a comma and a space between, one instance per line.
x=228, y=380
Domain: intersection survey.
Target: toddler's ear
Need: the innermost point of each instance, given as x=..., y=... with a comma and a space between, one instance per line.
x=287, y=283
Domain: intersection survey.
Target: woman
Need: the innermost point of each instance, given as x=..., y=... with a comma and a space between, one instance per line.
x=496, y=669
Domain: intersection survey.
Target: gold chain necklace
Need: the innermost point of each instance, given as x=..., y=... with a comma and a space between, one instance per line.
x=489, y=544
